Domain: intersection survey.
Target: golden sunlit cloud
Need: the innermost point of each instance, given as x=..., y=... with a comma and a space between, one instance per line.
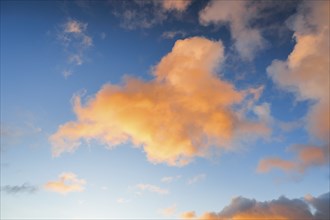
x=180, y=114
x=282, y=208
x=67, y=182
x=307, y=156
x=179, y=5
x=306, y=73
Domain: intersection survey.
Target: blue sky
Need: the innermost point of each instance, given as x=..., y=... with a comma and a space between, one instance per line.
x=164, y=109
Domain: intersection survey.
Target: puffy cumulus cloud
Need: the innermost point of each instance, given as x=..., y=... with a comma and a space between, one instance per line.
x=281, y=208
x=180, y=114
x=67, y=182
x=307, y=156
x=306, y=73
x=238, y=15
x=179, y=5
x=152, y=188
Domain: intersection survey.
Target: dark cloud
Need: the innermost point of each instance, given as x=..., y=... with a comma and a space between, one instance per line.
x=24, y=188
x=281, y=208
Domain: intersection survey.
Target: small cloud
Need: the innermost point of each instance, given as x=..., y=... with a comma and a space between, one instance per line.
x=103, y=35
x=67, y=182
x=66, y=73
x=152, y=188
x=177, y=5
x=188, y=215
x=173, y=34
x=73, y=35
x=169, y=211
x=169, y=179
x=122, y=200
x=104, y=188
x=16, y=189
x=196, y=178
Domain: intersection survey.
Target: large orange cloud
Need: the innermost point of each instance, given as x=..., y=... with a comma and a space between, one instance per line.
x=282, y=208
x=306, y=73
x=178, y=115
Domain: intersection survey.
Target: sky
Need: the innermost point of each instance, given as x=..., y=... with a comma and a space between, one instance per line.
x=174, y=109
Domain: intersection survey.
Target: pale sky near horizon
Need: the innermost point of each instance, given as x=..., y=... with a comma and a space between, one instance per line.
x=164, y=109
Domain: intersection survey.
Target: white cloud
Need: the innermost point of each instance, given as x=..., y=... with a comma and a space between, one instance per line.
x=152, y=188
x=197, y=178
x=169, y=179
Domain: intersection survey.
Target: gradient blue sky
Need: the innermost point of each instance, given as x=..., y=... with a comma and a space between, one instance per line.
x=44, y=64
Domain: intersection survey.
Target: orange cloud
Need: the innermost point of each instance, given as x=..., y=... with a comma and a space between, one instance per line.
x=282, y=208
x=266, y=165
x=306, y=73
x=178, y=115
x=307, y=156
x=178, y=5
x=67, y=182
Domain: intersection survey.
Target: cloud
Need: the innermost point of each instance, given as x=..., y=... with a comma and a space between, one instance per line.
x=169, y=211
x=172, y=116
x=238, y=15
x=178, y=5
x=73, y=35
x=306, y=74
x=67, y=182
x=147, y=14
x=173, y=34
x=307, y=156
x=169, y=179
x=188, y=215
x=152, y=188
x=122, y=200
x=24, y=188
x=197, y=178
x=281, y=208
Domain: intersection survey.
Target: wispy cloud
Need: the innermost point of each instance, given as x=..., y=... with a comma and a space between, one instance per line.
x=281, y=208
x=17, y=189
x=67, y=182
x=146, y=14
x=173, y=34
x=169, y=179
x=152, y=188
x=172, y=116
x=73, y=35
x=196, y=178
x=307, y=157
x=122, y=200
x=169, y=211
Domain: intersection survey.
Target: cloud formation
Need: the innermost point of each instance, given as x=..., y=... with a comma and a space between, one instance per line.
x=197, y=178
x=238, y=15
x=67, y=182
x=307, y=156
x=25, y=188
x=169, y=179
x=147, y=14
x=306, y=74
x=152, y=188
x=280, y=209
x=172, y=116
x=73, y=35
